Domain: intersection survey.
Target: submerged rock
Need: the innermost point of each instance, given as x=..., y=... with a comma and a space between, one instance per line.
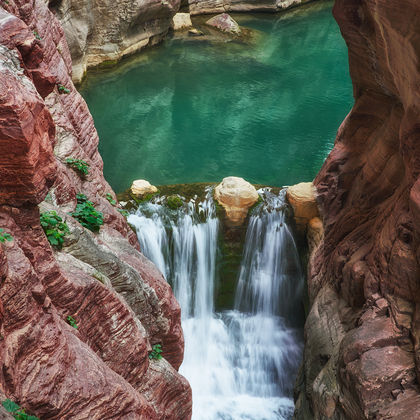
x=195, y=32
x=236, y=196
x=142, y=187
x=181, y=21
x=224, y=23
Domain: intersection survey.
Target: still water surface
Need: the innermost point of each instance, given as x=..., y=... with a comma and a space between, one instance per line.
x=190, y=111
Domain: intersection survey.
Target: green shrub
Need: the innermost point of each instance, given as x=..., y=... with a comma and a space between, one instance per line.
x=156, y=352
x=87, y=215
x=17, y=412
x=110, y=199
x=37, y=36
x=71, y=321
x=63, y=89
x=174, y=202
x=79, y=165
x=125, y=213
x=4, y=236
x=54, y=227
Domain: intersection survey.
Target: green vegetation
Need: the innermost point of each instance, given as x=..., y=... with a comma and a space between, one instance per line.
x=79, y=165
x=110, y=199
x=87, y=215
x=37, y=36
x=62, y=89
x=71, y=321
x=54, y=227
x=125, y=213
x=17, y=412
x=156, y=352
x=4, y=236
x=174, y=202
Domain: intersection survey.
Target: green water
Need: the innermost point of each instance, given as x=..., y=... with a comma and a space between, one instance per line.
x=190, y=111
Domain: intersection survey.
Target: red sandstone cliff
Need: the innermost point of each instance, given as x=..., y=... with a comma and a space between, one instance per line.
x=362, y=335
x=120, y=301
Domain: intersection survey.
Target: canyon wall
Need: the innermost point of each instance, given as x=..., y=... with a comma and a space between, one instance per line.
x=362, y=335
x=101, y=31
x=120, y=302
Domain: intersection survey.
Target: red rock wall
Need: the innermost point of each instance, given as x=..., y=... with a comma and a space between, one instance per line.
x=120, y=301
x=362, y=336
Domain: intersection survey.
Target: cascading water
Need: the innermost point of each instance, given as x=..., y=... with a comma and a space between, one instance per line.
x=240, y=363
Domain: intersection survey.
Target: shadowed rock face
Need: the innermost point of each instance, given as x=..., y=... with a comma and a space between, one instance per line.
x=362, y=336
x=106, y=30
x=121, y=303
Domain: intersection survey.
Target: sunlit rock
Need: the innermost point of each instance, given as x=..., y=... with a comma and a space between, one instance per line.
x=181, y=21
x=224, y=23
x=236, y=196
x=141, y=187
x=302, y=199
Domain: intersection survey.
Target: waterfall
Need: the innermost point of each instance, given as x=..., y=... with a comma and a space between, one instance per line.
x=240, y=363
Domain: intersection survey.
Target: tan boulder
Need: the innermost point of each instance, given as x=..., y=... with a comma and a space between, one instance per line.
x=141, y=187
x=236, y=196
x=181, y=21
x=302, y=199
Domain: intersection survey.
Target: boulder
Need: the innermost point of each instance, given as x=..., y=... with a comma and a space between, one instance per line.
x=236, y=196
x=142, y=187
x=181, y=21
x=302, y=199
x=224, y=23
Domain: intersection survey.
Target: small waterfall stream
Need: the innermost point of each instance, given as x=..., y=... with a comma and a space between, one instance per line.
x=241, y=363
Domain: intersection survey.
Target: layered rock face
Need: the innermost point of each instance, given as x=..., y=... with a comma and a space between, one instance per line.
x=121, y=303
x=104, y=30
x=362, y=335
x=198, y=7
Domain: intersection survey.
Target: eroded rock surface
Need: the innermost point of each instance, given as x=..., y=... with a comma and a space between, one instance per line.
x=108, y=30
x=121, y=303
x=362, y=335
x=197, y=7
x=236, y=196
x=224, y=23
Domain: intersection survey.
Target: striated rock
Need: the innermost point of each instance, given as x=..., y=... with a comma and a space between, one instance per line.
x=236, y=196
x=368, y=192
x=181, y=21
x=142, y=187
x=108, y=30
x=314, y=233
x=121, y=304
x=224, y=23
x=302, y=199
x=197, y=7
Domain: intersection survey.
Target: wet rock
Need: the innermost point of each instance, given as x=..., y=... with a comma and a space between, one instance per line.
x=224, y=23
x=236, y=196
x=195, y=32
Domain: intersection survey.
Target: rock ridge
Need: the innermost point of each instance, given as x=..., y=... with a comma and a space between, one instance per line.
x=362, y=352
x=120, y=302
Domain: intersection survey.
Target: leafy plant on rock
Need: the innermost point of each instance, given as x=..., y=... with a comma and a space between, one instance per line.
x=79, y=165
x=4, y=236
x=16, y=411
x=54, y=227
x=63, y=89
x=71, y=321
x=156, y=352
x=110, y=199
x=87, y=215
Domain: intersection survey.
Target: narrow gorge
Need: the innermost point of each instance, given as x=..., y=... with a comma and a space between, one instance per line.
x=210, y=297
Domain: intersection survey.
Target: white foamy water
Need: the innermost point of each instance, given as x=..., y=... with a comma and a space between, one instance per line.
x=241, y=363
